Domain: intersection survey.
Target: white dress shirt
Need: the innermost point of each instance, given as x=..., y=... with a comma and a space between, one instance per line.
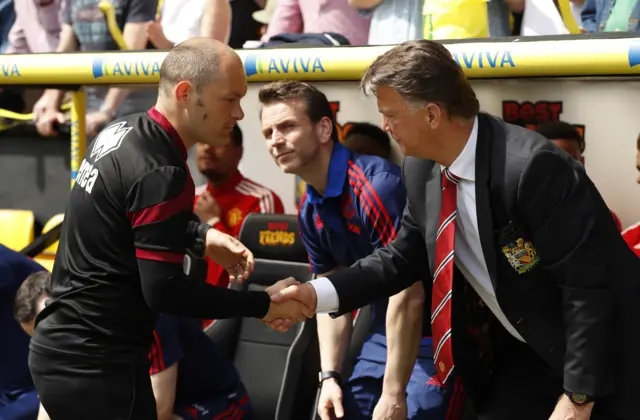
x=468, y=250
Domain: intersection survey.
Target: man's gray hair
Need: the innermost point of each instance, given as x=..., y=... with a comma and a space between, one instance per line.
x=423, y=72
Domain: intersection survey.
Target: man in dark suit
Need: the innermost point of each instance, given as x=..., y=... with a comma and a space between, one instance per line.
x=535, y=298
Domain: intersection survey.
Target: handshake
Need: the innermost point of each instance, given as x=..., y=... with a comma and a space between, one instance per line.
x=291, y=302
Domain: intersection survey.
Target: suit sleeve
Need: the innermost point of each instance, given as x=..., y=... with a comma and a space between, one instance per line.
x=165, y=345
x=387, y=271
x=159, y=208
x=568, y=222
x=382, y=200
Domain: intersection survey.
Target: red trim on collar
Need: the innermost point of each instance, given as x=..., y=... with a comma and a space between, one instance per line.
x=156, y=116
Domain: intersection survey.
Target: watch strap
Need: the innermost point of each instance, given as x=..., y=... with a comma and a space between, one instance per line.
x=199, y=246
x=329, y=374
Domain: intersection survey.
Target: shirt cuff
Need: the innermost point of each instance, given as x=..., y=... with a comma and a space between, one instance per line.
x=327, y=296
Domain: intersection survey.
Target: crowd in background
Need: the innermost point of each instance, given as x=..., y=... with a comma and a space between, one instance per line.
x=80, y=25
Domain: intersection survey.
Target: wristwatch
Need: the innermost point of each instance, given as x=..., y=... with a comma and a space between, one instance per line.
x=199, y=240
x=578, y=399
x=328, y=374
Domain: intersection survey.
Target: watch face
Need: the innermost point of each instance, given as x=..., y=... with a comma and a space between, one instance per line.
x=579, y=398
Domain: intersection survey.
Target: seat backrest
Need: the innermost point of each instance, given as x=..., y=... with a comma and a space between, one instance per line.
x=51, y=223
x=16, y=228
x=47, y=257
x=272, y=365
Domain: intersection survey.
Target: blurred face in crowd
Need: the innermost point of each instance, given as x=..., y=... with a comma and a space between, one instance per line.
x=365, y=145
x=570, y=146
x=293, y=140
x=29, y=326
x=217, y=163
x=212, y=114
x=638, y=164
x=407, y=125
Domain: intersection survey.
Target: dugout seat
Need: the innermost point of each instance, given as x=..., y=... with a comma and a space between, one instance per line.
x=16, y=228
x=279, y=370
x=48, y=256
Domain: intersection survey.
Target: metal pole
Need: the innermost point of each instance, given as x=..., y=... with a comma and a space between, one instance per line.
x=78, y=133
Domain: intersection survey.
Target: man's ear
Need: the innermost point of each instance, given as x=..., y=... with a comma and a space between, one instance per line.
x=182, y=93
x=324, y=130
x=433, y=115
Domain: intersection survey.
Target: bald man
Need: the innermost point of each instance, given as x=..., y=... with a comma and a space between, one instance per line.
x=127, y=227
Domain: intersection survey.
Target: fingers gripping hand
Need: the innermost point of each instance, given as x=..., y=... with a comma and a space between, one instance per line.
x=304, y=293
x=330, y=401
x=287, y=313
x=280, y=285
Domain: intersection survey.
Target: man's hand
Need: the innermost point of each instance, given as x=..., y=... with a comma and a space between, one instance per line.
x=566, y=410
x=208, y=209
x=96, y=121
x=156, y=35
x=46, y=114
x=228, y=252
x=330, y=401
x=282, y=324
x=390, y=407
x=303, y=293
x=281, y=285
x=291, y=311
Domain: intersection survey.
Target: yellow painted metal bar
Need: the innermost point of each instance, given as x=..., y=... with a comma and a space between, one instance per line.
x=571, y=57
x=106, y=7
x=78, y=132
x=567, y=17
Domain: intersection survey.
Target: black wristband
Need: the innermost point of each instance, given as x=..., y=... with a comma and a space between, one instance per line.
x=328, y=374
x=199, y=244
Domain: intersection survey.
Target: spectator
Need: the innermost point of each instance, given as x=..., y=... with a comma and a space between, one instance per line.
x=18, y=397
x=392, y=21
x=631, y=234
x=264, y=16
x=313, y=16
x=184, y=19
x=227, y=197
x=84, y=28
x=7, y=18
x=243, y=26
x=444, y=19
x=569, y=139
x=36, y=28
x=542, y=17
x=611, y=16
x=189, y=375
x=368, y=139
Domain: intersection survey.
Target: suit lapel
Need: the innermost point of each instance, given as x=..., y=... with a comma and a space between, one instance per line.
x=483, y=195
x=434, y=199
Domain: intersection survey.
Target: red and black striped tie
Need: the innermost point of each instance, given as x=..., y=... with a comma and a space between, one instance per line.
x=442, y=288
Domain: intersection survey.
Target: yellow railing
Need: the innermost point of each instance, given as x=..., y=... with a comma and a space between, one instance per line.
x=576, y=57
x=571, y=57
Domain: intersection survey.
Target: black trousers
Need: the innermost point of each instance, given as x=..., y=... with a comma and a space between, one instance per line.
x=73, y=390
x=521, y=386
